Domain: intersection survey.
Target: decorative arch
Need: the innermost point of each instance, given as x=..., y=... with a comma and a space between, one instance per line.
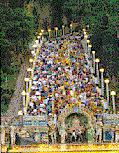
x=79, y=110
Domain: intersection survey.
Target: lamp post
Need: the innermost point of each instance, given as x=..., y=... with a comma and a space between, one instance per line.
x=49, y=32
x=33, y=52
x=85, y=33
x=71, y=28
x=113, y=94
x=40, y=34
x=35, y=46
x=56, y=30
x=31, y=76
x=86, y=36
x=89, y=46
x=102, y=81
x=63, y=33
x=88, y=41
x=42, y=30
x=38, y=39
x=85, y=42
x=31, y=71
x=107, y=89
x=89, y=49
x=89, y=55
x=27, y=101
x=31, y=60
x=27, y=83
x=20, y=113
x=84, y=30
x=93, y=53
x=97, y=60
x=30, y=84
x=24, y=99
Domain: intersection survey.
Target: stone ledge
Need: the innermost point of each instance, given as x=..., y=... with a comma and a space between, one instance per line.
x=113, y=147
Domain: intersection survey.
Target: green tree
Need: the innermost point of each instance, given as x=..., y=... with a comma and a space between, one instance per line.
x=57, y=12
x=102, y=18
x=36, y=18
x=17, y=31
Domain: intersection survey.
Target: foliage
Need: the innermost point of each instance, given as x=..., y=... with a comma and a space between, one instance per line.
x=17, y=31
x=57, y=12
x=36, y=18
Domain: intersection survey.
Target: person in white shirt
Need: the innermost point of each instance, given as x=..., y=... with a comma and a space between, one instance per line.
x=33, y=87
x=56, y=95
x=98, y=90
x=74, y=136
x=96, y=80
x=37, y=93
x=31, y=104
x=105, y=104
x=99, y=132
x=83, y=96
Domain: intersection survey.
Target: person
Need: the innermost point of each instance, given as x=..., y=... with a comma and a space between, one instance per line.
x=36, y=137
x=74, y=136
x=17, y=139
x=98, y=133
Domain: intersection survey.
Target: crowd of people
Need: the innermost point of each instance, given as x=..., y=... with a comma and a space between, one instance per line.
x=62, y=75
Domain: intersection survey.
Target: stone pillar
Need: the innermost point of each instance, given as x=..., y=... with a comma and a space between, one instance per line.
x=90, y=135
x=63, y=133
x=89, y=50
x=55, y=139
x=84, y=43
x=52, y=138
x=99, y=134
x=12, y=134
x=2, y=135
x=117, y=136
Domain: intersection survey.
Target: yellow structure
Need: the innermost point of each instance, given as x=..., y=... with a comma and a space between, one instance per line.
x=95, y=148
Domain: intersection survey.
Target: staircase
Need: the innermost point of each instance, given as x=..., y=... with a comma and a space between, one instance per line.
x=39, y=118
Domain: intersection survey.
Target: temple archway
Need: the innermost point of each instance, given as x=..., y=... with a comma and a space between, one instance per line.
x=89, y=123
x=76, y=128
